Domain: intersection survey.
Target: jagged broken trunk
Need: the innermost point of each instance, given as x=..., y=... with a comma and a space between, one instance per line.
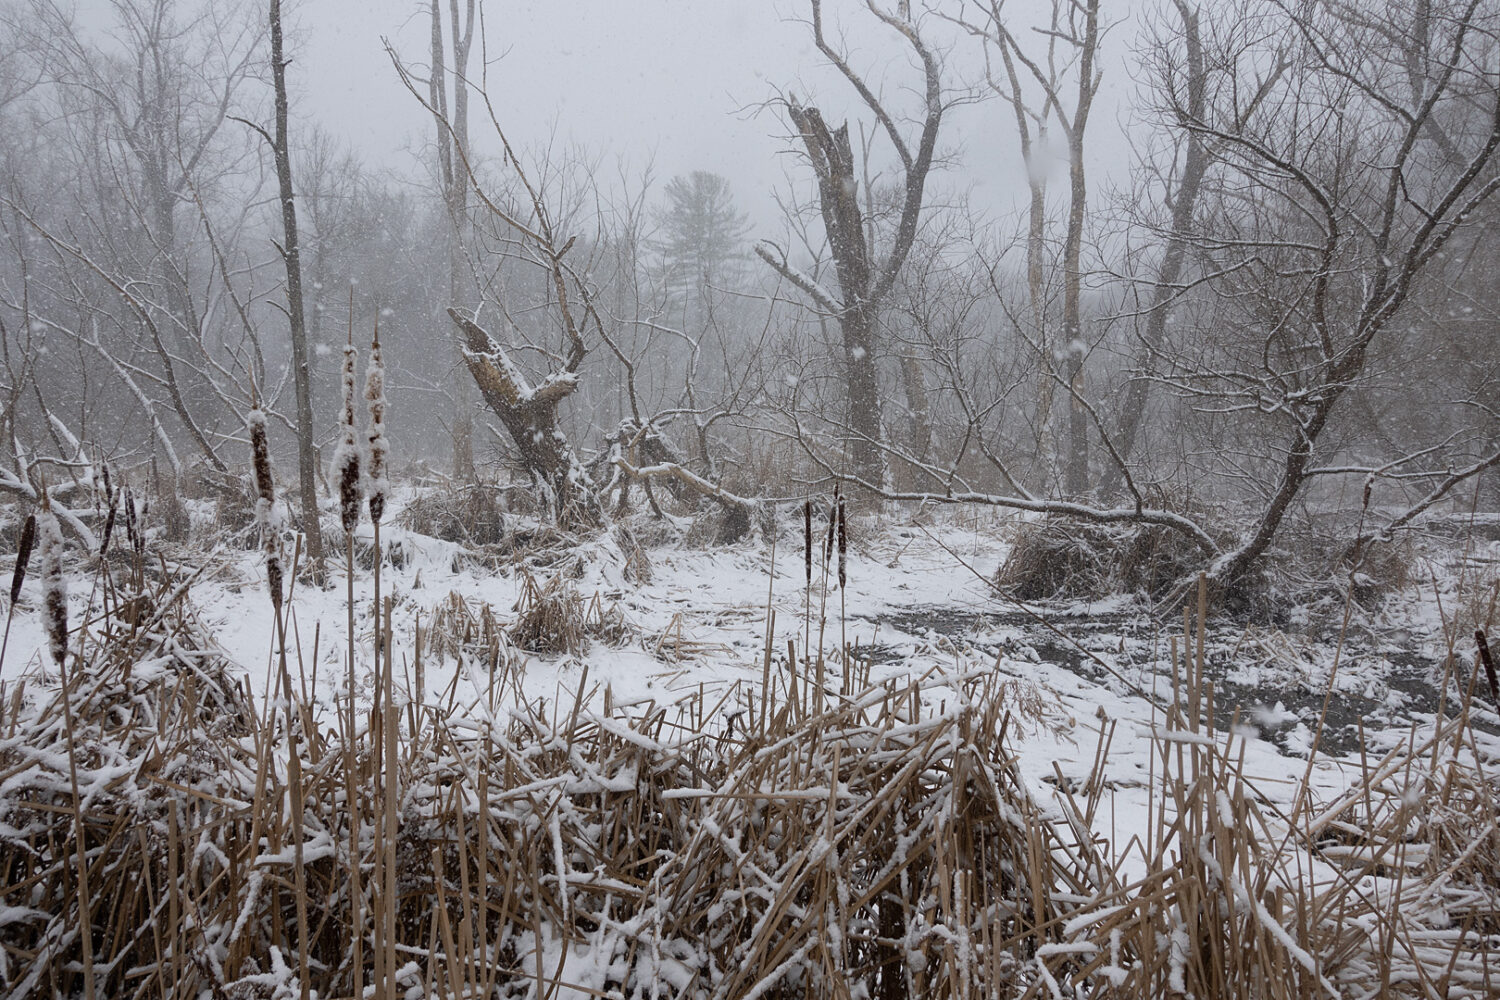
x=530, y=417
x=838, y=195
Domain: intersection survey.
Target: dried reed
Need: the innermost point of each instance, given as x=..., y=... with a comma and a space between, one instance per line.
x=880, y=848
x=162, y=836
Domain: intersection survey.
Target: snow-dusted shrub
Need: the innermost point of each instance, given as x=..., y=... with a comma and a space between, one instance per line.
x=553, y=617
x=1058, y=558
x=155, y=728
x=467, y=513
x=714, y=526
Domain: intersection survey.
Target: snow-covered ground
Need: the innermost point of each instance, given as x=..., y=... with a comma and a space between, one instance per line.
x=917, y=601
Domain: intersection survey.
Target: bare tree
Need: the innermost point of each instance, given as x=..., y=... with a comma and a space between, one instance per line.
x=864, y=275
x=1070, y=43
x=131, y=136
x=451, y=114
x=291, y=255
x=1338, y=190
x=529, y=412
x=1183, y=199
x=1186, y=66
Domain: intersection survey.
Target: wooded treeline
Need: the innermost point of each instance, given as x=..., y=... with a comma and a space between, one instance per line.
x=1284, y=309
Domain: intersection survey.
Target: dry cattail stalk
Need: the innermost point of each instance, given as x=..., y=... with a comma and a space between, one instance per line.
x=23, y=556
x=54, y=586
x=17, y=578
x=375, y=396
x=1029, y=894
x=265, y=498
x=346, y=456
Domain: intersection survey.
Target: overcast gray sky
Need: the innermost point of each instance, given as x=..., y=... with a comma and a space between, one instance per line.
x=672, y=81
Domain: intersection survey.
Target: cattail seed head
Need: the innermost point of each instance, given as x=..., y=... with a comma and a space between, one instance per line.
x=346, y=456
x=807, y=539
x=833, y=523
x=132, y=532
x=843, y=539
x=379, y=448
x=23, y=556
x=260, y=455
x=109, y=526
x=112, y=503
x=49, y=542
x=274, y=575
x=265, y=497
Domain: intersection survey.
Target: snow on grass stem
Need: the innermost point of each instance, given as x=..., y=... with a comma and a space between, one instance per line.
x=112, y=504
x=346, y=463
x=807, y=540
x=833, y=521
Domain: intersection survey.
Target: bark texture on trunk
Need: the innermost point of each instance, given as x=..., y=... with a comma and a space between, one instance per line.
x=301, y=374
x=1174, y=256
x=838, y=197
x=1077, y=464
x=530, y=418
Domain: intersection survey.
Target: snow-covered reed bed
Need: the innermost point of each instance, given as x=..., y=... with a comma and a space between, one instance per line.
x=880, y=843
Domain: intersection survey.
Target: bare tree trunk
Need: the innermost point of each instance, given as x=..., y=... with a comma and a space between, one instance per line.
x=1184, y=204
x=1078, y=418
x=530, y=417
x=914, y=384
x=833, y=162
x=864, y=283
x=1046, y=446
x=453, y=127
x=1036, y=258
x=1032, y=120
x=302, y=379
x=452, y=144
x=867, y=456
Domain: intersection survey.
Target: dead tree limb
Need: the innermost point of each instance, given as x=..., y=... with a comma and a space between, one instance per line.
x=530, y=417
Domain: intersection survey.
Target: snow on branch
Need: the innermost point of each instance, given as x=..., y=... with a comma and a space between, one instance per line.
x=671, y=470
